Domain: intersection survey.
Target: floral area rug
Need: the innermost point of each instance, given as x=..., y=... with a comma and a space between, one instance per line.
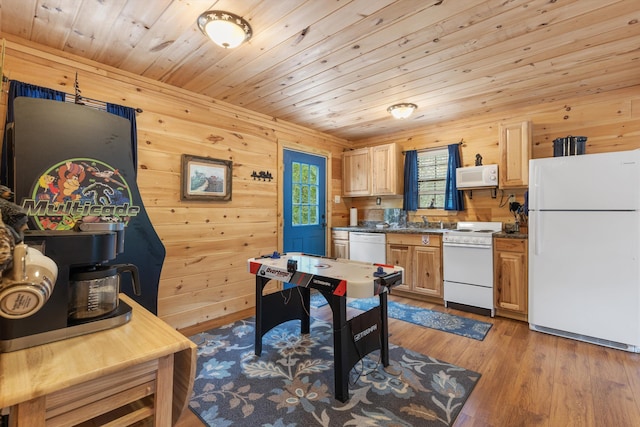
x=291, y=384
x=433, y=319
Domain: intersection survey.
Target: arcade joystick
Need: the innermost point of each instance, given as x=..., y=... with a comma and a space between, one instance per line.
x=379, y=272
x=274, y=255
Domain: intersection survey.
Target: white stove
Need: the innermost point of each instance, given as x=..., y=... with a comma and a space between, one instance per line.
x=468, y=264
x=472, y=233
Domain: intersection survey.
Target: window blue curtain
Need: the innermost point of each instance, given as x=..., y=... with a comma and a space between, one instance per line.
x=410, y=201
x=129, y=114
x=453, y=199
x=17, y=89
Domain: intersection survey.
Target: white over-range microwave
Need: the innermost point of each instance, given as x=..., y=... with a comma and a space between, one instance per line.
x=485, y=176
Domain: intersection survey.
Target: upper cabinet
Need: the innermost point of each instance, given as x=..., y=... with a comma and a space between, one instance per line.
x=372, y=171
x=356, y=172
x=515, y=152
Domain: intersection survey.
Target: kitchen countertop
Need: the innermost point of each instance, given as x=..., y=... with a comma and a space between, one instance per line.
x=516, y=235
x=420, y=230
x=399, y=230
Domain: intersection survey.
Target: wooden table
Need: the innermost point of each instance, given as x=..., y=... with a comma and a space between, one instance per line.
x=144, y=366
x=335, y=279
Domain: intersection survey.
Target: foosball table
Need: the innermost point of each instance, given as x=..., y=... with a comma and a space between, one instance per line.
x=336, y=280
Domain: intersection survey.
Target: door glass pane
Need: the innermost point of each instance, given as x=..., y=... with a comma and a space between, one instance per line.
x=295, y=215
x=313, y=194
x=304, y=194
x=296, y=194
x=295, y=172
x=313, y=214
x=313, y=175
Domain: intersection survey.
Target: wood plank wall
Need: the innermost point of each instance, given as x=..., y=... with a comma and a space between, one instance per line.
x=208, y=243
x=610, y=120
x=204, y=275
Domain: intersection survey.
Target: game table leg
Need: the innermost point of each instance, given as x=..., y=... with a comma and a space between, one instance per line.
x=344, y=351
x=384, y=333
x=293, y=305
x=341, y=337
x=260, y=284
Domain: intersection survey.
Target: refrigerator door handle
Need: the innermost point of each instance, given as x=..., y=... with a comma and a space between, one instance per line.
x=535, y=182
x=537, y=232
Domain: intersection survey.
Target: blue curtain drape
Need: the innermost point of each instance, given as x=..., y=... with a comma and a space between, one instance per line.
x=130, y=114
x=453, y=198
x=17, y=89
x=410, y=201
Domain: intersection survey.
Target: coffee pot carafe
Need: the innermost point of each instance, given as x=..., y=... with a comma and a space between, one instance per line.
x=94, y=290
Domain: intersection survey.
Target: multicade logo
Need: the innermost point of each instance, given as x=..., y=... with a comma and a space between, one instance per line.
x=79, y=189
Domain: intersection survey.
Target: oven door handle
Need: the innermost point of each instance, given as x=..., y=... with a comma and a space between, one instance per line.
x=465, y=245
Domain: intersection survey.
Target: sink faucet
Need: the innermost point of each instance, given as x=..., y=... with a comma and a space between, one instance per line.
x=425, y=220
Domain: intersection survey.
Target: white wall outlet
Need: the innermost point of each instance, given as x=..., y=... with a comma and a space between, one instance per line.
x=336, y=199
x=512, y=198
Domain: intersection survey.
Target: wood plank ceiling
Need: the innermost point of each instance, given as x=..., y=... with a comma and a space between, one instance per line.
x=336, y=65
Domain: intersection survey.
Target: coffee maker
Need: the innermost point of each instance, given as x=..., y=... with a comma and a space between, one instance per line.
x=85, y=296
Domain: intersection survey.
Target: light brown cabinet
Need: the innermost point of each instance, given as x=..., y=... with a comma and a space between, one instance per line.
x=421, y=257
x=510, y=278
x=340, y=240
x=372, y=171
x=356, y=172
x=515, y=152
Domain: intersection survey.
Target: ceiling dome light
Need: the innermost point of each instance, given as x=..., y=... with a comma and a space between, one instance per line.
x=402, y=111
x=224, y=29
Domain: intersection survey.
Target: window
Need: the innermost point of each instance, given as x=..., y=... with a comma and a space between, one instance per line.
x=304, y=194
x=432, y=177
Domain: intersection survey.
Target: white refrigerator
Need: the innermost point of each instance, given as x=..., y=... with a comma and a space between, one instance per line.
x=584, y=245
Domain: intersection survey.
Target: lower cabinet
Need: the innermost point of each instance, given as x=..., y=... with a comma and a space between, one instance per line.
x=510, y=278
x=421, y=258
x=340, y=242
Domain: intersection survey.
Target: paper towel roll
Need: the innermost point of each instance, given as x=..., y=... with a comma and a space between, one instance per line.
x=353, y=217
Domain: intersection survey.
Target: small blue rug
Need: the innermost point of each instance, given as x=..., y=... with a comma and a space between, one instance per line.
x=445, y=322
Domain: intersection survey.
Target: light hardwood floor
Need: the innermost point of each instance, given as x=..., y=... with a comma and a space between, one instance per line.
x=528, y=378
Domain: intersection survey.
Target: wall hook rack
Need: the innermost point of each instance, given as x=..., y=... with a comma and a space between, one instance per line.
x=264, y=175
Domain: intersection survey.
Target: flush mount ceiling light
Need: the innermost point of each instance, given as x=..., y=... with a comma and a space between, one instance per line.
x=224, y=29
x=402, y=111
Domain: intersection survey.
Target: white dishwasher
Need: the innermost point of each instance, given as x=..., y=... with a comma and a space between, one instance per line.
x=368, y=247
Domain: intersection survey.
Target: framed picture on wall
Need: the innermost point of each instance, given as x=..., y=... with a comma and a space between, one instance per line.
x=204, y=178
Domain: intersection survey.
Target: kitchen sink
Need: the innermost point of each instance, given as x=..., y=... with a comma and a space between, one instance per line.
x=433, y=230
x=419, y=229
